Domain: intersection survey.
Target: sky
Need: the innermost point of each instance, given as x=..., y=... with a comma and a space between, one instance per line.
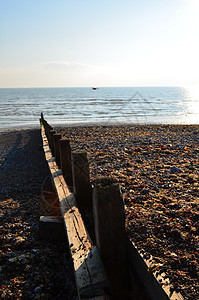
x=62, y=43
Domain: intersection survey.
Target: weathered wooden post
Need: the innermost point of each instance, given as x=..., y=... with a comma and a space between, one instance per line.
x=109, y=219
x=81, y=178
x=47, y=131
x=65, y=160
x=51, y=141
x=44, y=123
x=56, y=138
x=42, y=119
x=48, y=128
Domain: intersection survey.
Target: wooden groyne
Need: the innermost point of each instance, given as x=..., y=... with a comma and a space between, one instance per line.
x=112, y=267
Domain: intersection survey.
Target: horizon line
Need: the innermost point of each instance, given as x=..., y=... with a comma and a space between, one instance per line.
x=98, y=87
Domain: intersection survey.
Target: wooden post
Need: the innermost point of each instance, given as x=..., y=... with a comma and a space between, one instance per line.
x=51, y=141
x=65, y=161
x=50, y=136
x=81, y=178
x=56, y=138
x=42, y=119
x=44, y=123
x=109, y=219
x=48, y=131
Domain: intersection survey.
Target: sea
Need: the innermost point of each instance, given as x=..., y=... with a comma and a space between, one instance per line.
x=22, y=107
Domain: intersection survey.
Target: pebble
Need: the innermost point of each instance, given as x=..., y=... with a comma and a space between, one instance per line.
x=37, y=289
x=174, y=169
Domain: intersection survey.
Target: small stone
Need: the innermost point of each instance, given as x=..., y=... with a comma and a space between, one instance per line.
x=174, y=169
x=191, y=180
x=13, y=260
x=37, y=290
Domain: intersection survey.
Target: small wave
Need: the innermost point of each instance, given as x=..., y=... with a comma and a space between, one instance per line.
x=87, y=115
x=102, y=113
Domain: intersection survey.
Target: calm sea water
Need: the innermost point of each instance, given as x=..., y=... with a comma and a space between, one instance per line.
x=136, y=105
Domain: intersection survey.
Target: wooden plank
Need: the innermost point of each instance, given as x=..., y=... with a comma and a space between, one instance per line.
x=89, y=272
x=143, y=269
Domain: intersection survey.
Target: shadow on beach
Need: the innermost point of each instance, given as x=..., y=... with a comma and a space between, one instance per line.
x=29, y=267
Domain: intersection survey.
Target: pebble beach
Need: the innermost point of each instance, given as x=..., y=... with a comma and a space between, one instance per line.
x=158, y=171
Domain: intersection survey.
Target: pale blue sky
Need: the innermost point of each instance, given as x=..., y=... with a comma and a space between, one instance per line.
x=98, y=43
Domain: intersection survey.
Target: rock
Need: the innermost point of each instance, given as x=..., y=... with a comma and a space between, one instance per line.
x=174, y=169
x=37, y=290
x=190, y=180
x=19, y=240
x=145, y=192
x=13, y=260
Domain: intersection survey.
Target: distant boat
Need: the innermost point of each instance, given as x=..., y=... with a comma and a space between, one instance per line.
x=94, y=88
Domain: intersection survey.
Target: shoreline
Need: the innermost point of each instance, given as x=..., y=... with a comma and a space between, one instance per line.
x=90, y=124
x=18, y=128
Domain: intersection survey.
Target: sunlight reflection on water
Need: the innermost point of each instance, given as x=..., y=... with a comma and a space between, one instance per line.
x=192, y=111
